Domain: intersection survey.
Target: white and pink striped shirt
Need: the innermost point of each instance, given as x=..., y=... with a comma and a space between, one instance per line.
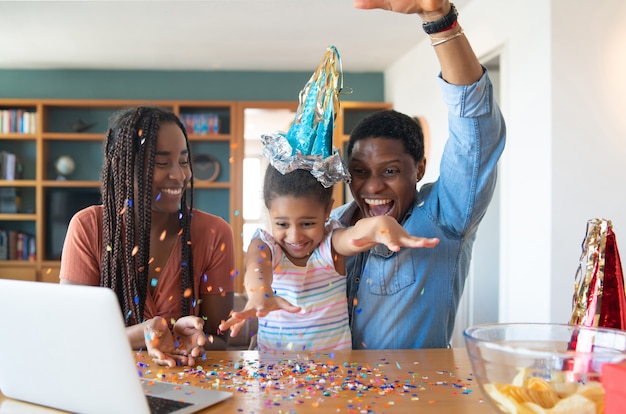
x=322, y=324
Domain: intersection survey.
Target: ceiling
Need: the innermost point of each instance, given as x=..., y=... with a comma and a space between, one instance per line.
x=265, y=35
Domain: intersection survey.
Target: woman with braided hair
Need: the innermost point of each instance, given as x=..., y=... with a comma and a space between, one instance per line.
x=170, y=265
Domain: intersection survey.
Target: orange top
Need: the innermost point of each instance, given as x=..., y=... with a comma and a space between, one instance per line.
x=213, y=260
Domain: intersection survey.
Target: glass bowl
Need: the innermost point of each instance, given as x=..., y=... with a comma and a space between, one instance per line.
x=543, y=368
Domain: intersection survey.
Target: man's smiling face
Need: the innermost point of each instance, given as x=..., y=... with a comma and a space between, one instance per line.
x=384, y=176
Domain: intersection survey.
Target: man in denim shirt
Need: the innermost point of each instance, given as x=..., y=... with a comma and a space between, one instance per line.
x=409, y=299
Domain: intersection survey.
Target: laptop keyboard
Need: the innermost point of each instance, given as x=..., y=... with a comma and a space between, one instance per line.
x=160, y=405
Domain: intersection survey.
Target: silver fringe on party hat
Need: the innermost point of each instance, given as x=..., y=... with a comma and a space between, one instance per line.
x=308, y=144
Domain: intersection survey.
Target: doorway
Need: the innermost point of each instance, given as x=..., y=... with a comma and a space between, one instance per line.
x=258, y=119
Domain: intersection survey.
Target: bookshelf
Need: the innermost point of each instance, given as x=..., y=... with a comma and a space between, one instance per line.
x=74, y=127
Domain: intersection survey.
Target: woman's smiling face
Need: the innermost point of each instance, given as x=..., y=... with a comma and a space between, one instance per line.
x=172, y=171
x=384, y=176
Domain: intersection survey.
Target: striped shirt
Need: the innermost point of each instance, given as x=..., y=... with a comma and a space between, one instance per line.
x=319, y=290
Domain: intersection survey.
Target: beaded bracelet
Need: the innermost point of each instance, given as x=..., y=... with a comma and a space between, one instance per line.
x=443, y=23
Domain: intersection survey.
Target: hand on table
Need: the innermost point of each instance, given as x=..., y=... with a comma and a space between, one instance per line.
x=182, y=346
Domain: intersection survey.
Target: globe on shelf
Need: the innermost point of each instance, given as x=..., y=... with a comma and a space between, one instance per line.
x=64, y=166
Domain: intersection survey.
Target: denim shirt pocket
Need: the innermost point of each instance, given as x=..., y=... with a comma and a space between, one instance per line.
x=387, y=272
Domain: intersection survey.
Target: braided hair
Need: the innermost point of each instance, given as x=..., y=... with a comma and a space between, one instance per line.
x=127, y=197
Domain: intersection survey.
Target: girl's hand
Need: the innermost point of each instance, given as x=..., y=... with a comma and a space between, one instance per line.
x=259, y=304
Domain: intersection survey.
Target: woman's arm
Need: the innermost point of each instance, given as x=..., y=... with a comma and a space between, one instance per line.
x=219, y=306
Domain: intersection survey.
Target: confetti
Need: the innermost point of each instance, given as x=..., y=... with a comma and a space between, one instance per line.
x=298, y=379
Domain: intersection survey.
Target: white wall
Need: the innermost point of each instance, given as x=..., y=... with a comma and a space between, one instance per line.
x=563, y=73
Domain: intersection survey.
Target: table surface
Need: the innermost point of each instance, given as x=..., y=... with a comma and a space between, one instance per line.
x=363, y=381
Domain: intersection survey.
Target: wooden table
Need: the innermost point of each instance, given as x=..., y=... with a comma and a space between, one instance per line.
x=399, y=381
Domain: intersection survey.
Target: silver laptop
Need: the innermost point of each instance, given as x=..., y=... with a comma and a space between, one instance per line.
x=65, y=347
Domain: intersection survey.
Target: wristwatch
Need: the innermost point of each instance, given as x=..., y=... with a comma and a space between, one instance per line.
x=442, y=24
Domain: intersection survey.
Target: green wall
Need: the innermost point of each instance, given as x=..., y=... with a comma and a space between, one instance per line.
x=175, y=85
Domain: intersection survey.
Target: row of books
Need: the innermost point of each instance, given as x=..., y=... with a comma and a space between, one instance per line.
x=201, y=124
x=9, y=166
x=17, y=245
x=19, y=121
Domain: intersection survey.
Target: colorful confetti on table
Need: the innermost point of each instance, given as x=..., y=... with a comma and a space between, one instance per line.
x=316, y=380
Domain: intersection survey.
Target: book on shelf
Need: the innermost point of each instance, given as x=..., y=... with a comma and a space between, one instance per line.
x=19, y=246
x=19, y=121
x=4, y=245
x=8, y=166
x=31, y=252
x=8, y=200
x=201, y=123
x=12, y=244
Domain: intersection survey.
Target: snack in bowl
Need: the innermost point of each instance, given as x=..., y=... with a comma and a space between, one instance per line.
x=536, y=368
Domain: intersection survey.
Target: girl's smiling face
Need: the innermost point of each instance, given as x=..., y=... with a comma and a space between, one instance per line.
x=298, y=225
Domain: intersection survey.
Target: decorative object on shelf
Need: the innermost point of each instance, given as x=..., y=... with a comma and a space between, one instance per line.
x=64, y=166
x=201, y=123
x=81, y=126
x=205, y=167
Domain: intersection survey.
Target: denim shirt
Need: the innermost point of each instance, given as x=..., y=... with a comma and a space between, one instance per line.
x=409, y=299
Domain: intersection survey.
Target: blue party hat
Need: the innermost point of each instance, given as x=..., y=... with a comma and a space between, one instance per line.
x=309, y=142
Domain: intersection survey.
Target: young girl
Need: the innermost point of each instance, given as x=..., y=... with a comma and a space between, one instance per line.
x=302, y=262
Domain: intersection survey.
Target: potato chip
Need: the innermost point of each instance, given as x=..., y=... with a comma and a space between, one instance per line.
x=535, y=395
x=575, y=403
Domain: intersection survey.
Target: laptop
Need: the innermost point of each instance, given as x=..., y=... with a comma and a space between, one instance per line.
x=65, y=347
